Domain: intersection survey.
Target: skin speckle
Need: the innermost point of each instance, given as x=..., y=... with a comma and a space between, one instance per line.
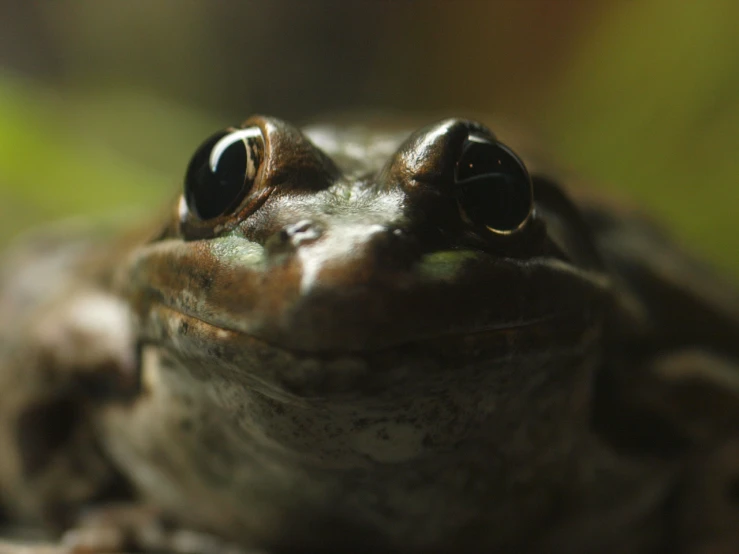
x=389, y=443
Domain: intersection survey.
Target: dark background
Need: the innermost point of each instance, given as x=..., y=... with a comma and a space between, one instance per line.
x=102, y=102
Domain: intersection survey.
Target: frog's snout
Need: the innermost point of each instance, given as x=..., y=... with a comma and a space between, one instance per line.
x=347, y=254
x=294, y=236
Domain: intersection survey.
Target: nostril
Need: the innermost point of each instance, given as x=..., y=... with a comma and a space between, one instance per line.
x=395, y=248
x=302, y=232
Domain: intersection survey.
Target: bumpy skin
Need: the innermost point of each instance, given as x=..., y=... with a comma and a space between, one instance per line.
x=345, y=362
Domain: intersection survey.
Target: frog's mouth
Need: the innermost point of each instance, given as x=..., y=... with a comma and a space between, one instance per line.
x=364, y=308
x=289, y=374
x=361, y=321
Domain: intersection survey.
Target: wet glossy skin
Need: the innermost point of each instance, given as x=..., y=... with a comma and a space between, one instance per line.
x=350, y=357
x=319, y=257
x=356, y=334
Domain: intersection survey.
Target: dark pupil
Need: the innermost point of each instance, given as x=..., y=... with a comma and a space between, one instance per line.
x=494, y=188
x=215, y=188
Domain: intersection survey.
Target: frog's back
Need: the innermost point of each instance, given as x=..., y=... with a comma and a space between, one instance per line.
x=669, y=386
x=688, y=303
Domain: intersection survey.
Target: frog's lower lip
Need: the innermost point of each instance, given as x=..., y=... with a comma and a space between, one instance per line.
x=182, y=323
x=292, y=375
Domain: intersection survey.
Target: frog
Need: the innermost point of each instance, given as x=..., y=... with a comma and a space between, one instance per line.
x=348, y=337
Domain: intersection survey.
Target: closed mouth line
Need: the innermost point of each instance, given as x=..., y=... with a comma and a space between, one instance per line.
x=441, y=337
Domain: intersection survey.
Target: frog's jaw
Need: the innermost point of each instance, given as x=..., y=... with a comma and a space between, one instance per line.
x=350, y=296
x=211, y=352
x=414, y=437
x=361, y=325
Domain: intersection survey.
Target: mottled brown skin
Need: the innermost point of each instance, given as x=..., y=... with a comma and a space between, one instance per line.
x=345, y=362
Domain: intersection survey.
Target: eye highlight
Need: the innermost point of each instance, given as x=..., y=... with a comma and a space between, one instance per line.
x=492, y=186
x=222, y=172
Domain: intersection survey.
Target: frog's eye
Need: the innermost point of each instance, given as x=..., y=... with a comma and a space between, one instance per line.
x=492, y=186
x=222, y=171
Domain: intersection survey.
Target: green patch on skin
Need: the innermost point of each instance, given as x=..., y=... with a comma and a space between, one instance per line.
x=235, y=251
x=445, y=266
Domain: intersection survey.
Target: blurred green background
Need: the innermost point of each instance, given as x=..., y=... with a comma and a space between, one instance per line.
x=102, y=103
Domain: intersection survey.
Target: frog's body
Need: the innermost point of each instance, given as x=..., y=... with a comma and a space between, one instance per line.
x=356, y=353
